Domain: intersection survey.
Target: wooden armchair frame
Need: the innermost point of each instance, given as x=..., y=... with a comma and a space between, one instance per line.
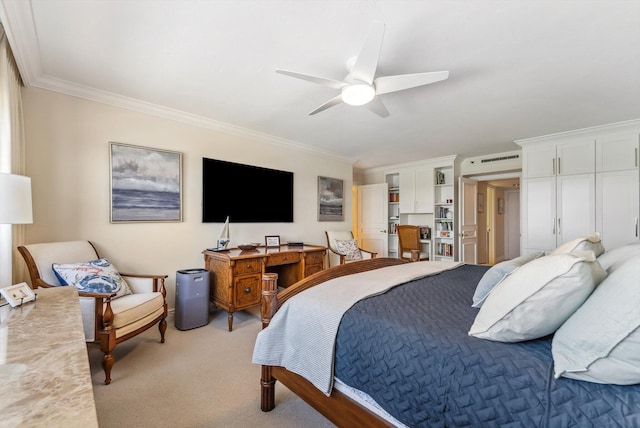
x=332, y=249
x=105, y=333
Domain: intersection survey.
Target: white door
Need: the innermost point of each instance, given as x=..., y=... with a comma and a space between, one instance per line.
x=617, y=207
x=373, y=215
x=468, y=229
x=576, y=207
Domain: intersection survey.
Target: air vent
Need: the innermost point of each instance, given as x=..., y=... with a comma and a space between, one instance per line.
x=499, y=158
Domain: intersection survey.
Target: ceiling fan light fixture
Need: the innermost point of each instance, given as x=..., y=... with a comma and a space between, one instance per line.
x=358, y=94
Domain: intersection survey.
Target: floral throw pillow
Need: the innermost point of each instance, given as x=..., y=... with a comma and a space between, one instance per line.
x=96, y=276
x=349, y=248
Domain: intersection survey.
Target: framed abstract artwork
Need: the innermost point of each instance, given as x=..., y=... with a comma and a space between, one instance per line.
x=146, y=184
x=330, y=199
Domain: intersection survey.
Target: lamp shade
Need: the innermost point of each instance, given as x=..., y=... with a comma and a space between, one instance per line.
x=15, y=199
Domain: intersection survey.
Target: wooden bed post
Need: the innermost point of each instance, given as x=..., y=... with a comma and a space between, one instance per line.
x=269, y=303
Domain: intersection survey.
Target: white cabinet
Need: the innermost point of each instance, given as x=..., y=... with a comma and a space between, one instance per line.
x=576, y=156
x=416, y=189
x=617, y=188
x=576, y=184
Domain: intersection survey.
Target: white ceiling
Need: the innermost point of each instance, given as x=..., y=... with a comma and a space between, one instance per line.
x=518, y=69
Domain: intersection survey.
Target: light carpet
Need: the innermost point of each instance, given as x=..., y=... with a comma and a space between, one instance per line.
x=198, y=378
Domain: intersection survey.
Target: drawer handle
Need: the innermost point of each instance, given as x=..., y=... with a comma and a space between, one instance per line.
x=247, y=290
x=248, y=265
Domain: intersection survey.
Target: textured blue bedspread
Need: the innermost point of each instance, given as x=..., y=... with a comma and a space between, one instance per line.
x=409, y=349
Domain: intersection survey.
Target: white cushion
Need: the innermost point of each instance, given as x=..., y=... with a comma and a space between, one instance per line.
x=497, y=273
x=95, y=276
x=612, y=259
x=349, y=249
x=590, y=242
x=600, y=342
x=534, y=300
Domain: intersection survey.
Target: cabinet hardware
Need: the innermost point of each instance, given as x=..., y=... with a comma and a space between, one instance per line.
x=636, y=227
x=247, y=290
x=636, y=157
x=558, y=174
x=553, y=226
x=553, y=166
x=559, y=232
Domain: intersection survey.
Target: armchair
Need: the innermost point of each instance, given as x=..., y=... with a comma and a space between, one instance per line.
x=409, y=242
x=348, y=251
x=107, y=320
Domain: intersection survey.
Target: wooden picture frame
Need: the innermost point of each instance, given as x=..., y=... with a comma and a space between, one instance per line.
x=330, y=199
x=18, y=294
x=271, y=241
x=145, y=184
x=500, y=206
x=480, y=202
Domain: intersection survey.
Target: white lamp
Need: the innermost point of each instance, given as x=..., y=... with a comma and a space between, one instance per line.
x=358, y=93
x=15, y=199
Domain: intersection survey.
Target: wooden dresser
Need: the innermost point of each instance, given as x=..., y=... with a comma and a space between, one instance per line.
x=236, y=275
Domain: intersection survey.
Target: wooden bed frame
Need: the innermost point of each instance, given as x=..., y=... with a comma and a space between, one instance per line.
x=338, y=408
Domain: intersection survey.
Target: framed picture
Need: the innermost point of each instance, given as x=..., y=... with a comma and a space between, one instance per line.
x=330, y=199
x=146, y=184
x=18, y=294
x=272, y=241
x=500, y=206
x=480, y=202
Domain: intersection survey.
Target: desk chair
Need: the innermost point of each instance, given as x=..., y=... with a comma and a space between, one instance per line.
x=409, y=239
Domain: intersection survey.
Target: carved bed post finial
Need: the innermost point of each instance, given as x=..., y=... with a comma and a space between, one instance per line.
x=269, y=297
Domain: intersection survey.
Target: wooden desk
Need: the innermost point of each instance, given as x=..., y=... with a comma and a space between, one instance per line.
x=236, y=276
x=45, y=379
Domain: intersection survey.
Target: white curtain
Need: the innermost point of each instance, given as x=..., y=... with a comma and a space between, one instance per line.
x=12, y=159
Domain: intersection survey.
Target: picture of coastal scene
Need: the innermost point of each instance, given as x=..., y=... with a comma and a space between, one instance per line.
x=145, y=184
x=330, y=199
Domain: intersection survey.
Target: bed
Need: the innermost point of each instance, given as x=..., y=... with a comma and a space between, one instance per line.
x=404, y=356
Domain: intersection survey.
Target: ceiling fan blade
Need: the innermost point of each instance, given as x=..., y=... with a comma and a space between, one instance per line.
x=314, y=79
x=386, y=84
x=333, y=101
x=377, y=106
x=364, y=68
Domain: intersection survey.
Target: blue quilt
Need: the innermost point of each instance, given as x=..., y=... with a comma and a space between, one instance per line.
x=409, y=349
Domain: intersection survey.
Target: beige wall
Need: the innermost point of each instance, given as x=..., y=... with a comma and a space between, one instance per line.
x=67, y=157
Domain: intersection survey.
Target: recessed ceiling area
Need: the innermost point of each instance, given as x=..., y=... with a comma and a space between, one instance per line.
x=518, y=69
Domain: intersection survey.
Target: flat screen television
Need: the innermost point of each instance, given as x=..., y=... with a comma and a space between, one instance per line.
x=245, y=193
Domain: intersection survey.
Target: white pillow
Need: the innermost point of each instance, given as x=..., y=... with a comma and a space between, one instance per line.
x=612, y=259
x=497, y=273
x=349, y=249
x=538, y=297
x=590, y=242
x=600, y=342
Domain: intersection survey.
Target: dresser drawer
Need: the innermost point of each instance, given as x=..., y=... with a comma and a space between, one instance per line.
x=245, y=266
x=248, y=291
x=282, y=259
x=315, y=258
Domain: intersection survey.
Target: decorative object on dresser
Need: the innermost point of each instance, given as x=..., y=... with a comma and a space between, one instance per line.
x=108, y=316
x=146, y=184
x=236, y=275
x=18, y=294
x=409, y=241
x=338, y=256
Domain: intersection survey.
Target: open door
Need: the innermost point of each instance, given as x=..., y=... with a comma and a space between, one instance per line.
x=468, y=231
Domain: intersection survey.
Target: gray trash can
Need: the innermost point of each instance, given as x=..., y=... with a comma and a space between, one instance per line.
x=192, y=298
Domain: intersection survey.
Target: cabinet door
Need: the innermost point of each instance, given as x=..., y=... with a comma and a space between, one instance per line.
x=576, y=207
x=617, y=152
x=618, y=207
x=539, y=214
x=424, y=189
x=539, y=161
x=407, y=182
x=576, y=157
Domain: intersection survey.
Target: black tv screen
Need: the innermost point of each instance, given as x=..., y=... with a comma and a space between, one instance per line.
x=245, y=193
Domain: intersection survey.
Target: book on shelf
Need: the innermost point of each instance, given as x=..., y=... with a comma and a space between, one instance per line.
x=439, y=177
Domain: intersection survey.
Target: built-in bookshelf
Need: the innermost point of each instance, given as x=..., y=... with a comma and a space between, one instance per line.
x=394, y=214
x=444, y=214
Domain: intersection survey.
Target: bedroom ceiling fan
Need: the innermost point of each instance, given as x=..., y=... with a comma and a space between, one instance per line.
x=361, y=86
